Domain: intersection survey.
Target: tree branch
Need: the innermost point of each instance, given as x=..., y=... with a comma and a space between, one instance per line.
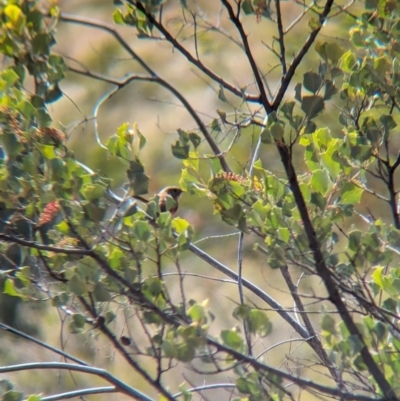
x=314, y=340
x=324, y=273
x=50, y=248
x=236, y=21
x=79, y=393
x=195, y=61
x=297, y=60
x=41, y=343
x=152, y=78
x=281, y=36
x=119, y=385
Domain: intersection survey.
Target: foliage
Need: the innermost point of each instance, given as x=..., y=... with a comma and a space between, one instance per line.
x=99, y=257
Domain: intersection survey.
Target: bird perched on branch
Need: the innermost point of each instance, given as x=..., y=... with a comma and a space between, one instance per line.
x=168, y=199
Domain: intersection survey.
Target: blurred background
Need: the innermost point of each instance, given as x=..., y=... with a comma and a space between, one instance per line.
x=159, y=115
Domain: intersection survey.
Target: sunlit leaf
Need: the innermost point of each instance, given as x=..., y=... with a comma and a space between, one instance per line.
x=321, y=181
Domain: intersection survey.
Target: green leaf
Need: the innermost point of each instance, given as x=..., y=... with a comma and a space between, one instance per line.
x=79, y=320
x=321, y=181
x=277, y=130
x=328, y=324
x=297, y=92
x=138, y=180
x=197, y=312
x=312, y=82
x=77, y=286
x=75, y=328
x=312, y=105
x=329, y=51
x=232, y=339
x=348, y=62
x=180, y=151
x=266, y=136
x=195, y=139
x=287, y=109
x=377, y=276
x=141, y=230
x=221, y=94
x=314, y=23
x=111, y=144
x=93, y=191
x=101, y=293
x=60, y=299
x=10, y=76
x=35, y=19
x=47, y=151
x=34, y=397
x=382, y=65
x=169, y=349
x=357, y=38
x=118, y=17
x=142, y=139
x=247, y=7
x=222, y=115
x=259, y=323
x=355, y=240
x=322, y=138
x=350, y=194
x=380, y=331
x=331, y=162
x=355, y=343
x=9, y=289
x=330, y=89
x=154, y=286
x=12, y=395
x=41, y=44
x=390, y=304
x=361, y=152
x=185, y=352
x=334, y=52
x=387, y=122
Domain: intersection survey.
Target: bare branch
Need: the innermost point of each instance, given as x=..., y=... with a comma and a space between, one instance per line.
x=79, y=393
x=316, y=343
x=281, y=37
x=300, y=55
x=235, y=20
x=119, y=385
x=195, y=61
x=41, y=343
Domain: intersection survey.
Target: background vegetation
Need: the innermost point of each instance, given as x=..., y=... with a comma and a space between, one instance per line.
x=278, y=278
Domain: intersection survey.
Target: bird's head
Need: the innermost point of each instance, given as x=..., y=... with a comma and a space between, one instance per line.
x=173, y=192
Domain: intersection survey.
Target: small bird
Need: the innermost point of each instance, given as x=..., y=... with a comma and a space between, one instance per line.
x=168, y=199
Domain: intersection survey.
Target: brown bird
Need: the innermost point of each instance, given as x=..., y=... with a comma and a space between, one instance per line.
x=168, y=197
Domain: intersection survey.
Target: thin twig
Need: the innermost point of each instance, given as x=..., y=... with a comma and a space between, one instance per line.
x=153, y=77
x=281, y=39
x=216, y=78
x=260, y=86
